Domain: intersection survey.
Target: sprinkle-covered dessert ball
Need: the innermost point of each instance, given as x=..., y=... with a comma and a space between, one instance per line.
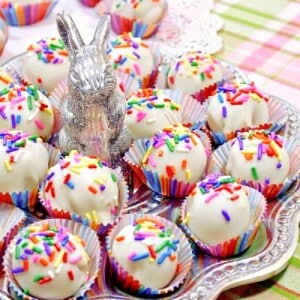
x=46, y=63
x=177, y=153
x=146, y=11
x=236, y=106
x=258, y=156
x=26, y=108
x=194, y=71
x=48, y=262
x=149, y=110
x=218, y=209
x=148, y=251
x=131, y=56
x=83, y=185
x=23, y=161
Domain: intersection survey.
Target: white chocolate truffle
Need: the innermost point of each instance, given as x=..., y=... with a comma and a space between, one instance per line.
x=23, y=161
x=176, y=153
x=130, y=55
x=138, y=249
x=194, y=71
x=146, y=11
x=258, y=156
x=218, y=209
x=83, y=185
x=46, y=64
x=26, y=108
x=49, y=262
x=235, y=106
x=148, y=111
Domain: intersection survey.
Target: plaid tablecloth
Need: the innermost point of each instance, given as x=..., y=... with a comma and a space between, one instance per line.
x=262, y=37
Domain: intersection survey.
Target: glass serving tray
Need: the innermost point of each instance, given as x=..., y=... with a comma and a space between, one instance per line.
x=270, y=252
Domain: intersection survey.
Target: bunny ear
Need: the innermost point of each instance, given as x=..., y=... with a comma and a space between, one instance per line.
x=69, y=32
x=101, y=35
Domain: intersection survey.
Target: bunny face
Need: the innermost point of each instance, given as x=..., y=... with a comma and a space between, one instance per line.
x=88, y=72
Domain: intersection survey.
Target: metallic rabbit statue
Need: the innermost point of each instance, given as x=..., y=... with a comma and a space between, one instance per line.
x=94, y=109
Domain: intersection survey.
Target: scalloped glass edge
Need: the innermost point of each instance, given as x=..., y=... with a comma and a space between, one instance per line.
x=283, y=221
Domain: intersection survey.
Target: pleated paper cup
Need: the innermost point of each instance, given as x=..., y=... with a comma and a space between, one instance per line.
x=101, y=228
x=127, y=282
x=18, y=14
x=236, y=245
x=161, y=184
x=11, y=220
x=278, y=116
x=220, y=156
x=92, y=248
x=121, y=24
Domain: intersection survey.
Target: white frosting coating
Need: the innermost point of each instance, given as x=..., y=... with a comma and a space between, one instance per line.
x=194, y=71
x=148, y=270
x=263, y=158
x=46, y=63
x=236, y=106
x=45, y=277
x=83, y=185
x=130, y=55
x=146, y=11
x=27, y=109
x=176, y=153
x=216, y=211
x=149, y=111
x=23, y=162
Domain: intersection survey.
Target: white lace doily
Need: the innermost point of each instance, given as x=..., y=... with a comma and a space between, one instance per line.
x=190, y=25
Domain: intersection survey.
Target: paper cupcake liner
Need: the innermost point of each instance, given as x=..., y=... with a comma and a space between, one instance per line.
x=100, y=228
x=92, y=248
x=121, y=24
x=278, y=116
x=127, y=282
x=219, y=159
x=28, y=199
x=89, y=3
x=4, y=30
x=17, y=14
x=11, y=219
x=237, y=245
x=162, y=185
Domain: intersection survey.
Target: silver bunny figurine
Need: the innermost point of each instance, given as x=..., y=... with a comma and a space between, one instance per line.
x=93, y=111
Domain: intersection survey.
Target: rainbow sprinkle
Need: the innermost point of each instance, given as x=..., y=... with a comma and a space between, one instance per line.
x=135, y=4
x=48, y=246
x=194, y=63
x=14, y=99
x=147, y=99
x=131, y=48
x=14, y=142
x=263, y=144
x=236, y=93
x=160, y=242
x=49, y=50
x=174, y=138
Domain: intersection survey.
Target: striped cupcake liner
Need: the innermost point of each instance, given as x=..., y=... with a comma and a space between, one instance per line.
x=160, y=184
x=17, y=14
x=75, y=228
x=127, y=282
x=121, y=24
x=219, y=159
x=11, y=220
x=237, y=245
x=100, y=228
